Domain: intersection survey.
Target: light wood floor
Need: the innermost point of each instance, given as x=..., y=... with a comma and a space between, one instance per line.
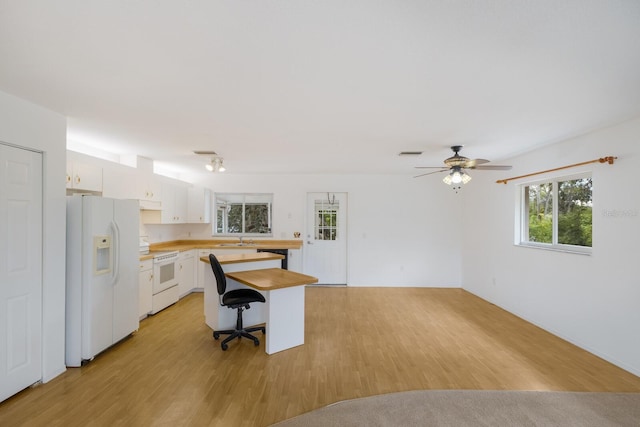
x=359, y=342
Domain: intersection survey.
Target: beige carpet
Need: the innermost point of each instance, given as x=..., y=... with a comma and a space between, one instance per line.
x=479, y=408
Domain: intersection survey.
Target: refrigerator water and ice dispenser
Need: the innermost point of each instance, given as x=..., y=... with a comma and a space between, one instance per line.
x=101, y=255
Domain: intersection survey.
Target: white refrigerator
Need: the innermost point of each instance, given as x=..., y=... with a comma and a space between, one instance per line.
x=102, y=274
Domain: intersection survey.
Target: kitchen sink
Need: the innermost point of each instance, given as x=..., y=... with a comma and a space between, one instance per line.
x=237, y=244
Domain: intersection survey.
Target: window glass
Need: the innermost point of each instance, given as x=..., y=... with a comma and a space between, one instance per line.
x=326, y=220
x=540, y=200
x=558, y=214
x=575, y=212
x=243, y=214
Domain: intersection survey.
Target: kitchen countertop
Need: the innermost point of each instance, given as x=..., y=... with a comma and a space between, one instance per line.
x=186, y=245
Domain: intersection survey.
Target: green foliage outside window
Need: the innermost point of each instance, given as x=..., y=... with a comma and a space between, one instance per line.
x=243, y=214
x=574, y=212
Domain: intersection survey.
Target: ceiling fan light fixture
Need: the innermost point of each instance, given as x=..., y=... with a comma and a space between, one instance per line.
x=456, y=177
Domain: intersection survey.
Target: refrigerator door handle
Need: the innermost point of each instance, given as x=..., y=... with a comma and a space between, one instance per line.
x=115, y=252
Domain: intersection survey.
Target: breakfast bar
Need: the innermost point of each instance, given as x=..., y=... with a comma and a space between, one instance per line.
x=283, y=311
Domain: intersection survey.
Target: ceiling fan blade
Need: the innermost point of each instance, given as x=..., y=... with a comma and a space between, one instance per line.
x=493, y=168
x=472, y=163
x=430, y=173
x=430, y=167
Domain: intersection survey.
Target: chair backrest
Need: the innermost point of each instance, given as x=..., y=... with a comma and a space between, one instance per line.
x=217, y=271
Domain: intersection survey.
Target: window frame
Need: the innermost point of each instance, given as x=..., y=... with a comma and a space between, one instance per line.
x=522, y=217
x=244, y=199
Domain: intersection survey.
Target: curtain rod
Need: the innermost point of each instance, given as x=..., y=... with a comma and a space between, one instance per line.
x=608, y=159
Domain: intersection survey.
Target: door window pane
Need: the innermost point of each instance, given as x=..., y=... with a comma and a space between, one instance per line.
x=326, y=219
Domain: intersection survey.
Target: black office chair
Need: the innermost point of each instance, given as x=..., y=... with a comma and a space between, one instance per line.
x=238, y=299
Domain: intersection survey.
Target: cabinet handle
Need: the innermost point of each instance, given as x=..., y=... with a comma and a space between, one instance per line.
x=68, y=179
x=77, y=179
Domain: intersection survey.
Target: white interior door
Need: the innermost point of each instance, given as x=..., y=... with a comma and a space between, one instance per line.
x=20, y=269
x=325, y=252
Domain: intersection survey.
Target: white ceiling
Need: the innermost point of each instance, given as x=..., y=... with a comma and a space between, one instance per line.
x=308, y=86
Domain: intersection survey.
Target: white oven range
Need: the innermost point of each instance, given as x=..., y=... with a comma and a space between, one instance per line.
x=165, y=281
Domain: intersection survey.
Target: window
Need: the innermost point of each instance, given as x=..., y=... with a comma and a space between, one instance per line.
x=557, y=214
x=243, y=214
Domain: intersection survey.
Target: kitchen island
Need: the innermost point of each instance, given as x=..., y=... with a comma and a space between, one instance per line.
x=283, y=311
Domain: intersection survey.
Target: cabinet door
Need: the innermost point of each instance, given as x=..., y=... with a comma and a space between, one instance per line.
x=81, y=176
x=294, y=260
x=174, y=204
x=145, y=282
x=87, y=177
x=186, y=279
x=168, y=197
x=117, y=182
x=148, y=188
x=201, y=267
x=180, y=205
x=199, y=205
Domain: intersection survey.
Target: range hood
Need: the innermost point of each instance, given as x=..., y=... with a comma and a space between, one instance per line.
x=148, y=205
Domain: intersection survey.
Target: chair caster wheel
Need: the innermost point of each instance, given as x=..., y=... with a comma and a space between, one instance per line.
x=256, y=343
x=224, y=347
x=216, y=335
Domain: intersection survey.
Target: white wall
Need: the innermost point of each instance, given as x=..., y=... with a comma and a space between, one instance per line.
x=592, y=301
x=30, y=126
x=402, y=231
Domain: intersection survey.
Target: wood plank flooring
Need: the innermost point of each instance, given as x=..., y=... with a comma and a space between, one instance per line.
x=358, y=342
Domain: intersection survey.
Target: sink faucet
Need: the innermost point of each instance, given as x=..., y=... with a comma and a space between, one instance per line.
x=241, y=240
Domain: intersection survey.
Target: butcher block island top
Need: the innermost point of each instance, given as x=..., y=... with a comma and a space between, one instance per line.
x=269, y=279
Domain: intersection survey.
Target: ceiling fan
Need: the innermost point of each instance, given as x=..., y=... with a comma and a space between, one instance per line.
x=456, y=166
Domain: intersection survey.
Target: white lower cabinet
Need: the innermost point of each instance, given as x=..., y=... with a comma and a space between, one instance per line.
x=186, y=272
x=201, y=267
x=145, y=282
x=295, y=260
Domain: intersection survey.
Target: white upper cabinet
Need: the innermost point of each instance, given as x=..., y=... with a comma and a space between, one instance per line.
x=149, y=188
x=174, y=206
x=118, y=182
x=83, y=176
x=199, y=205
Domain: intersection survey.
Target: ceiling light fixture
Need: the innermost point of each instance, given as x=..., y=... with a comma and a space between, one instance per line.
x=216, y=163
x=456, y=178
